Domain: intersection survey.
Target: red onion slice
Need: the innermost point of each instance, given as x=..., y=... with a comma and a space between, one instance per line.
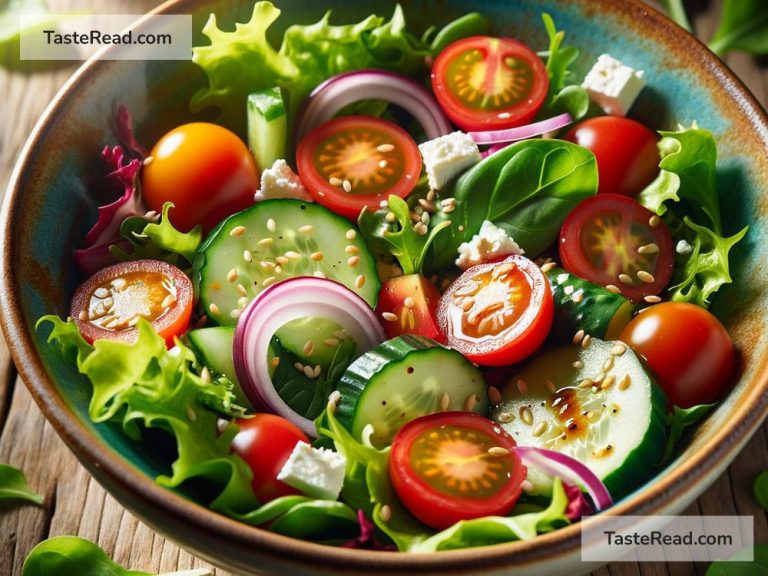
x=567, y=469
x=279, y=304
x=344, y=89
x=522, y=132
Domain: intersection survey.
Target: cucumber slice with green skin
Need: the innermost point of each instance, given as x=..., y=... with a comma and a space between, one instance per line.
x=402, y=379
x=213, y=347
x=267, y=127
x=274, y=240
x=313, y=341
x=582, y=305
x=596, y=403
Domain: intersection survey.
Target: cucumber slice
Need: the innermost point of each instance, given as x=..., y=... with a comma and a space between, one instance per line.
x=582, y=305
x=274, y=240
x=267, y=127
x=596, y=404
x=402, y=379
x=213, y=347
x=313, y=340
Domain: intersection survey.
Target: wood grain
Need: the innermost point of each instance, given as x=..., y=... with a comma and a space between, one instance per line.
x=76, y=504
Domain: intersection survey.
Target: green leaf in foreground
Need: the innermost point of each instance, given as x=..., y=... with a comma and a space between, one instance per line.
x=563, y=94
x=760, y=489
x=679, y=420
x=14, y=486
x=738, y=566
x=743, y=26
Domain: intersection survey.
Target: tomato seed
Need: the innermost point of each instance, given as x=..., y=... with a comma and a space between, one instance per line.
x=608, y=382
x=625, y=382
x=347, y=185
x=334, y=181
x=526, y=415
x=541, y=427
x=608, y=364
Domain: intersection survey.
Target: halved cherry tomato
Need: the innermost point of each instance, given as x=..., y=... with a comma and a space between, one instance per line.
x=356, y=161
x=205, y=170
x=499, y=313
x=453, y=466
x=110, y=302
x=265, y=441
x=626, y=152
x=612, y=240
x=688, y=349
x=408, y=305
x=485, y=83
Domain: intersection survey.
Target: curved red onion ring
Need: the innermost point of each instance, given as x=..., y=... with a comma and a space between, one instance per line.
x=522, y=132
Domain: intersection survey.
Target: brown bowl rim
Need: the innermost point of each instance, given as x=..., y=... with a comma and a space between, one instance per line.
x=116, y=474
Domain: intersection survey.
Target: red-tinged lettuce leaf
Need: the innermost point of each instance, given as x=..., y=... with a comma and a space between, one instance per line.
x=106, y=231
x=124, y=129
x=578, y=505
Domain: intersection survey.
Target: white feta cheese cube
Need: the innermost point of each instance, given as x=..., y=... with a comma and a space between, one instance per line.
x=490, y=243
x=613, y=85
x=280, y=181
x=447, y=156
x=318, y=472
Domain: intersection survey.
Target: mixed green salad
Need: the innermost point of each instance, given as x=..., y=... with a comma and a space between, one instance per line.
x=447, y=295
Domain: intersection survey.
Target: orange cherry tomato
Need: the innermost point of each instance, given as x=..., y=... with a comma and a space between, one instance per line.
x=109, y=303
x=205, y=170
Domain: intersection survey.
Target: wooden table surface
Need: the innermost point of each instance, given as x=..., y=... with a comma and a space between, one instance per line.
x=76, y=504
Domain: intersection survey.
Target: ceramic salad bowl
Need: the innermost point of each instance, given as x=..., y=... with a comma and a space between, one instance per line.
x=48, y=209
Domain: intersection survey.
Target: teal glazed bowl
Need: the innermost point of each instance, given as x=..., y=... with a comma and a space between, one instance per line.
x=48, y=209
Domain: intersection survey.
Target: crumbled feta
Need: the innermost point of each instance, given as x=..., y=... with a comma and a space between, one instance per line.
x=613, y=85
x=490, y=243
x=280, y=181
x=683, y=248
x=318, y=472
x=447, y=156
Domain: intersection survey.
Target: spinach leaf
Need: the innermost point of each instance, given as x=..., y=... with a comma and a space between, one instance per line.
x=72, y=555
x=399, y=237
x=760, y=489
x=680, y=419
x=526, y=189
x=743, y=26
x=472, y=24
x=309, y=396
x=563, y=95
x=14, y=486
x=738, y=565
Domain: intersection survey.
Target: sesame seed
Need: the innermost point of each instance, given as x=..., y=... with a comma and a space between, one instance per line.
x=625, y=278
x=608, y=364
x=586, y=383
x=268, y=280
x=214, y=309
x=498, y=451
x=522, y=386
x=586, y=342
x=648, y=249
x=578, y=337
x=282, y=260
x=316, y=371
x=316, y=256
x=309, y=347
x=299, y=366
x=383, y=163
x=347, y=185
x=293, y=255
x=242, y=290
x=425, y=218
x=390, y=217
x=618, y=349
x=408, y=302
x=278, y=269
x=461, y=228
x=578, y=297
x=612, y=288
x=360, y=281
x=306, y=229
x=541, y=427
x=426, y=204
x=389, y=316
x=420, y=228
x=265, y=242
x=646, y=277
x=271, y=226
x=385, y=513
x=578, y=364
x=309, y=372
x=470, y=402
x=148, y=160
x=548, y=266
x=242, y=302
x=445, y=401
x=352, y=249
x=625, y=382
x=654, y=221
x=494, y=395
x=237, y=231
x=652, y=299
x=385, y=148
x=331, y=342
x=235, y=313
x=351, y=234
x=275, y=361
x=448, y=202
x=449, y=209
x=232, y=275
x=318, y=274
x=608, y=382
x=334, y=181
x=504, y=417
x=247, y=256
x=526, y=415
x=431, y=194
x=353, y=261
